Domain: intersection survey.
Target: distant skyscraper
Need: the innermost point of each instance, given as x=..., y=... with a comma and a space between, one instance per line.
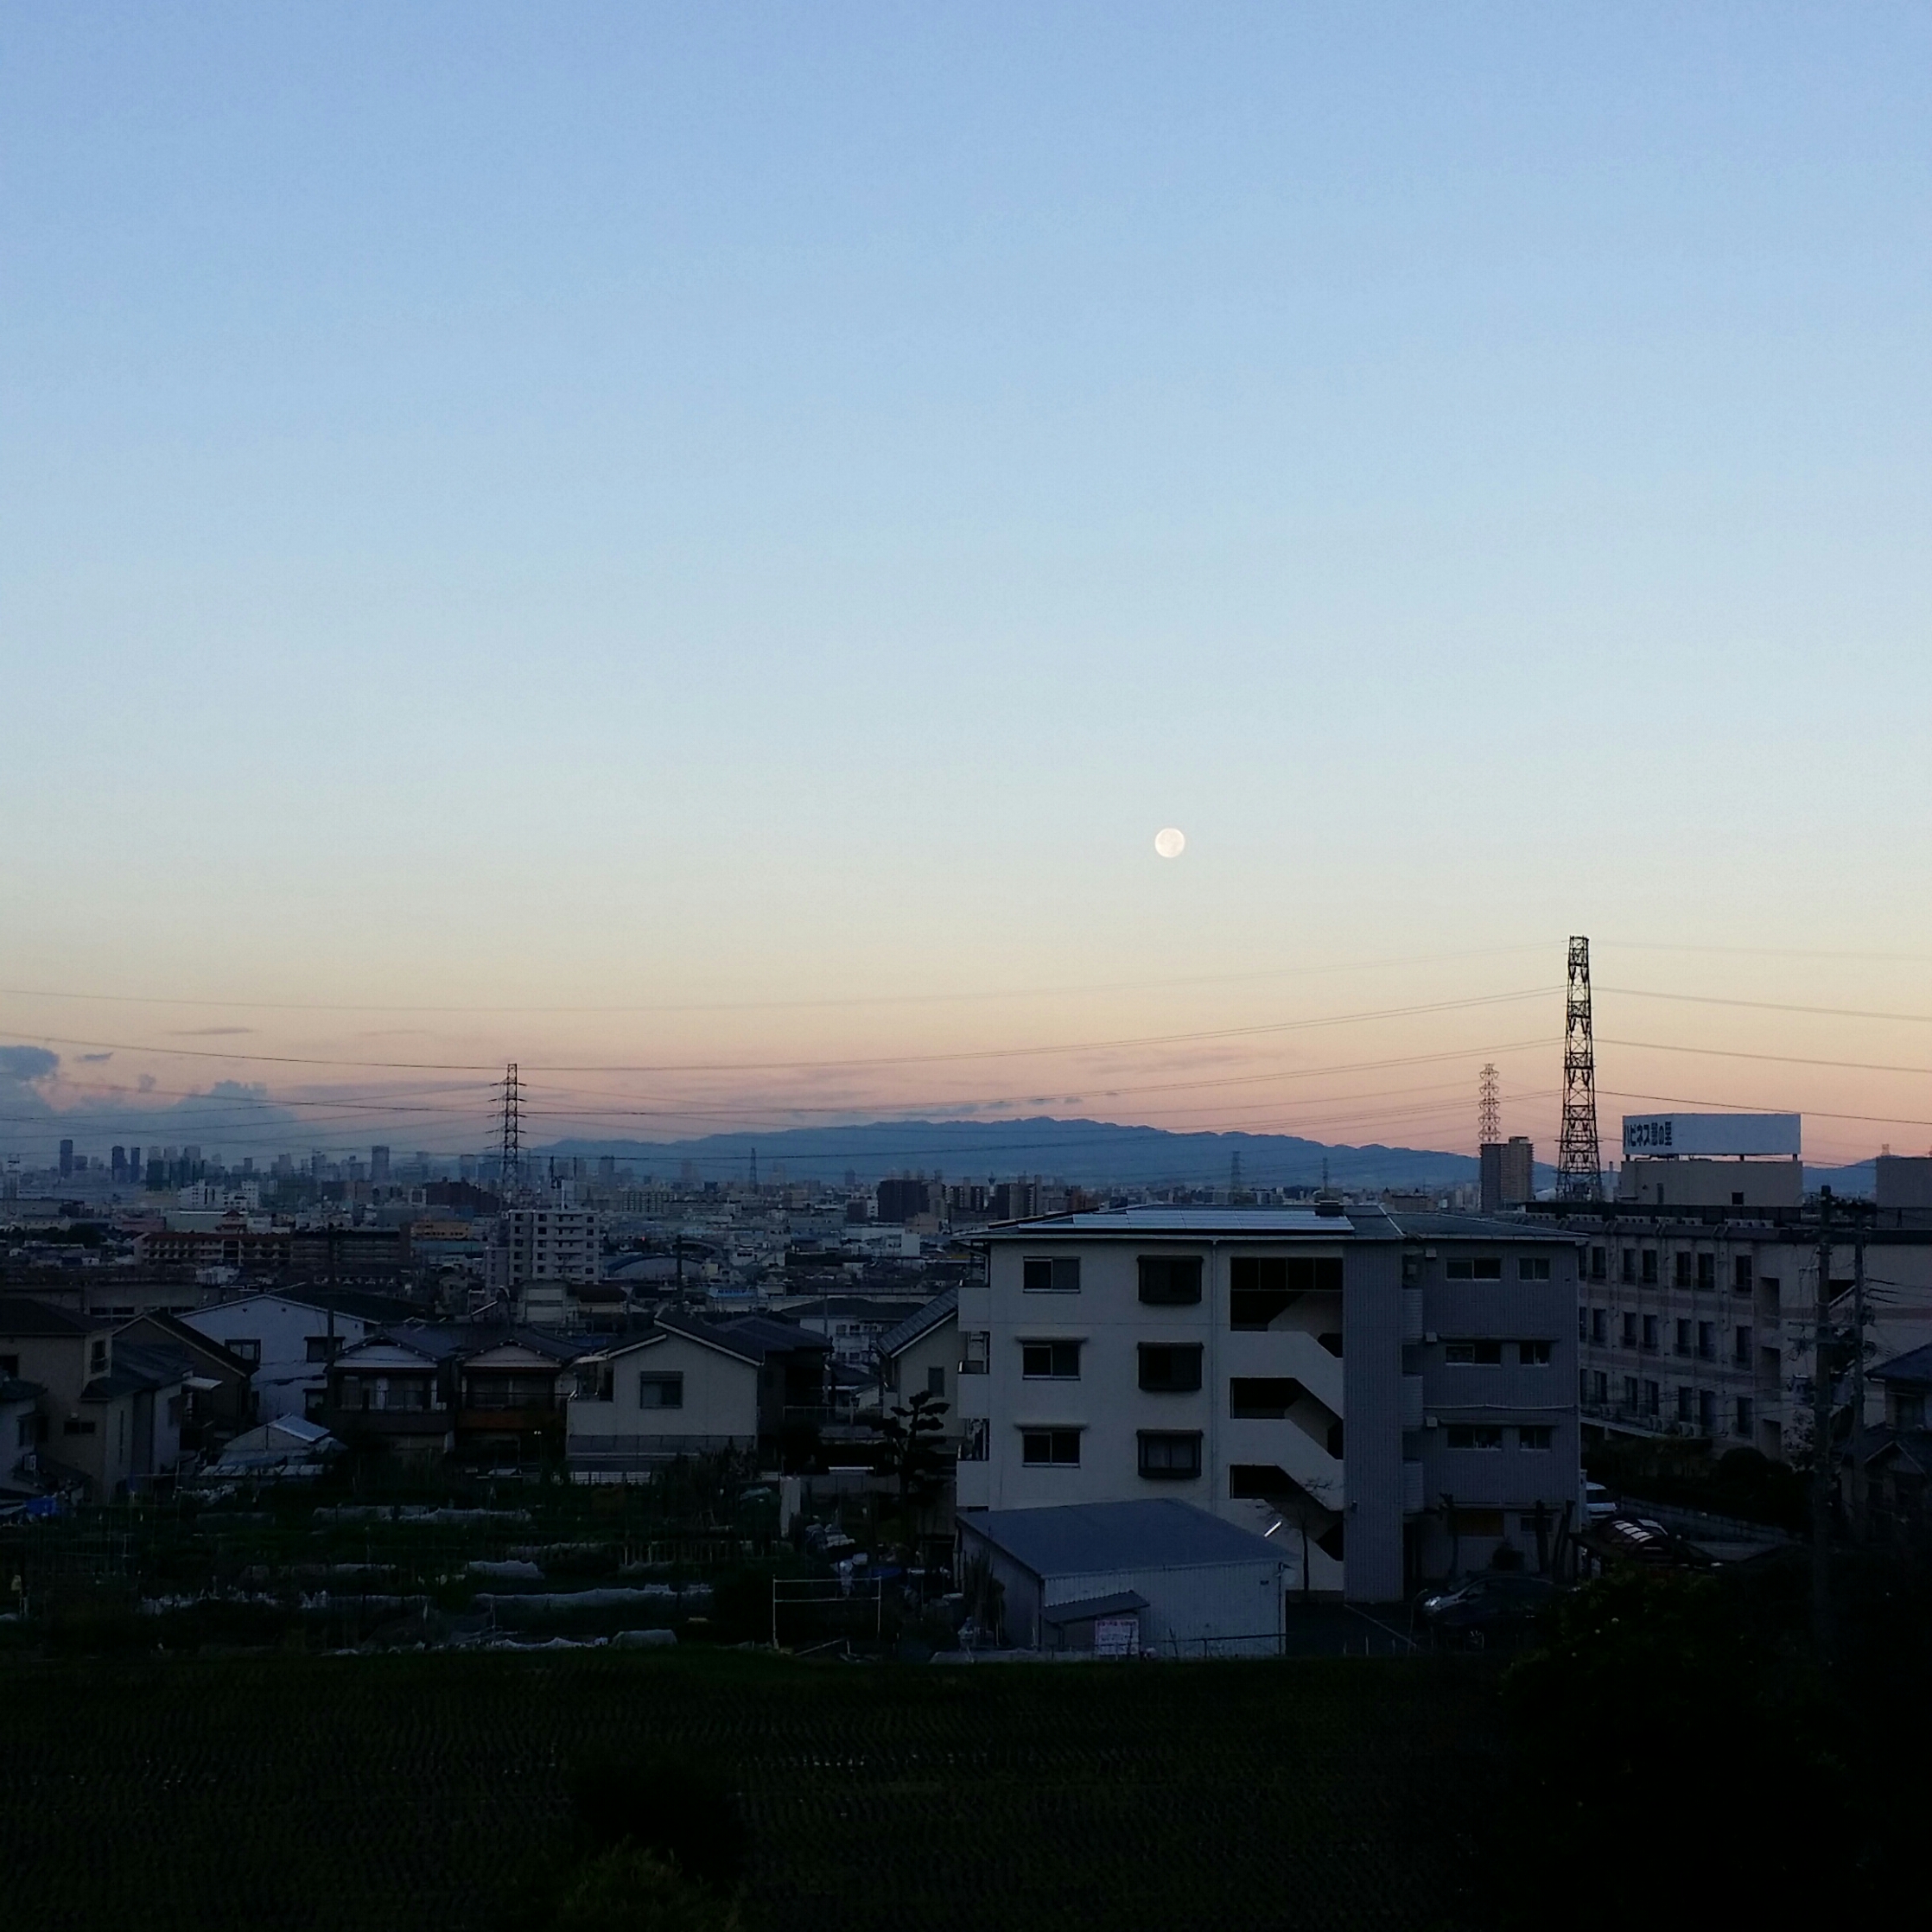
x=117, y=1165
x=66, y=1157
x=379, y=1165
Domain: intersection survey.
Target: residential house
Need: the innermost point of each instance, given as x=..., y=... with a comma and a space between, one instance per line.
x=688, y=1386
x=288, y=1338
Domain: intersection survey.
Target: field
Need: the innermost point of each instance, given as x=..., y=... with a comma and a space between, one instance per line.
x=410, y=1791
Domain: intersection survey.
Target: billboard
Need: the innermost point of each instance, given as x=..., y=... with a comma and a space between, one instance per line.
x=1710, y=1135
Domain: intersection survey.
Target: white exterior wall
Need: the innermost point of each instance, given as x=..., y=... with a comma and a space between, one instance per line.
x=1110, y=1409
x=939, y=1348
x=285, y=1375
x=720, y=1407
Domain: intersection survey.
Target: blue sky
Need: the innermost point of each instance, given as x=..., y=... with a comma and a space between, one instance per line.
x=579, y=505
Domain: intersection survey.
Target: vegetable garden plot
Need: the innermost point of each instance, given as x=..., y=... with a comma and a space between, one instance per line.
x=374, y=1791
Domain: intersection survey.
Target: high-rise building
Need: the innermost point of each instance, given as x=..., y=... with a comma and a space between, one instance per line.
x=1509, y=1169
x=117, y=1165
x=378, y=1166
x=66, y=1157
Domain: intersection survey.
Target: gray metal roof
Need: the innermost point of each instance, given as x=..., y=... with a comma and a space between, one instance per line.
x=1366, y=1222
x=1916, y=1366
x=922, y=1321
x=1086, y=1539
x=1191, y=1223
x=1079, y=1611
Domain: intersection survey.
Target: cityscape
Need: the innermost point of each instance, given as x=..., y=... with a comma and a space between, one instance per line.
x=962, y=968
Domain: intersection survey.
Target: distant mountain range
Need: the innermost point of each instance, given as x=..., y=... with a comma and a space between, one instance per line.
x=1086, y=1152
x=1089, y=1154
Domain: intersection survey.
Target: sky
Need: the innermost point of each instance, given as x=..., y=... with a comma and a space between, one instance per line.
x=695, y=547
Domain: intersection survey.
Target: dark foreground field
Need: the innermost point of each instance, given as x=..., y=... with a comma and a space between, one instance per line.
x=408, y=1792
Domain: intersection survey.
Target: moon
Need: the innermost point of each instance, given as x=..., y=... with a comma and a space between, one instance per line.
x=1170, y=843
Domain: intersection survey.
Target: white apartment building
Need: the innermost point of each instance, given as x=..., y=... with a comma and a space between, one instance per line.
x=546, y=1250
x=1385, y=1396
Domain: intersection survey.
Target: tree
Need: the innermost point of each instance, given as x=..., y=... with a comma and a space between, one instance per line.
x=909, y=1438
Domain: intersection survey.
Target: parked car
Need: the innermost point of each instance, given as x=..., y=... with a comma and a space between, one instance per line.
x=1497, y=1603
x=1599, y=1504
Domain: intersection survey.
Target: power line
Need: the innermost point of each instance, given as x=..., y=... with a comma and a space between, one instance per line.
x=836, y=1065
x=862, y=1001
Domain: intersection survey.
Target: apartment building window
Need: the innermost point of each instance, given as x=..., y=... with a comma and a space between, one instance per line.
x=1652, y=1398
x=1686, y=1404
x=1049, y=1361
x=1050, y=1448
x=1599, y=1387
x=1708, y=1411
x=1649, y=1268
x=1170, y=1367
x=1650, y=1339
x=936, y=1382
x=975, y=1351
x=1261, y=1398
x=1628, y=1269
x=1474, y=1268
x=1050, y=1275
x=1170, y=1281
x=1741, y=1420
x=1473, y=1435
x=1535, y=1436
x=1534, y=1268
x=661, y=1390
x=1767, y=1289
x=1740, y=1273
x=1598, y=1270
x=1741, y=1347
x=1630, y=1392
x=1706, y=1341
x=247, y=1350
x=1683, y=1338
x=322, y=1348
x=1170, y=1456
x=1533, y=1355
x=75, y=1424
x=974, y=1441
x=1629, y=1330
x=1480, y=1355
x=1600, y=1326
x=1683, y=1267
x=1706, y=1271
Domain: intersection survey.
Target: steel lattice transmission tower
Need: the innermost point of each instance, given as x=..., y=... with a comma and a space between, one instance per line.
x=1579, y=1175
x=1489, y=1110
x=509, y=1171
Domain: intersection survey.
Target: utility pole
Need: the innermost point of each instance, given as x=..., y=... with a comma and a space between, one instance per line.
x=1821, y=1439
x=1858, y=1380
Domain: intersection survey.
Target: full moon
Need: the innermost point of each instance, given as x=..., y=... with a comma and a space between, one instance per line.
x=1170, y=843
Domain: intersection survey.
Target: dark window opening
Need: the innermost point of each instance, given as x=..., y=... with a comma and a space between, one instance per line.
x=1474, y=1435
x=1170, y=1458
x=1474, y=1268
x=1533, y=1355
x=1536, y=1268
x=1170, y=1281
x=1740, y=1273
x=1058, y=1275
x=1536, y=1435
x=661, y=1391
x=1170, y=1367
x=1049, y=1361
x=1058, y=1448
x=1480, y=1355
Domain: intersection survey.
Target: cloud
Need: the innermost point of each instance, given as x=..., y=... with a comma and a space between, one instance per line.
x=145, y=1084
x=93, y=1059
x=27, y=1063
